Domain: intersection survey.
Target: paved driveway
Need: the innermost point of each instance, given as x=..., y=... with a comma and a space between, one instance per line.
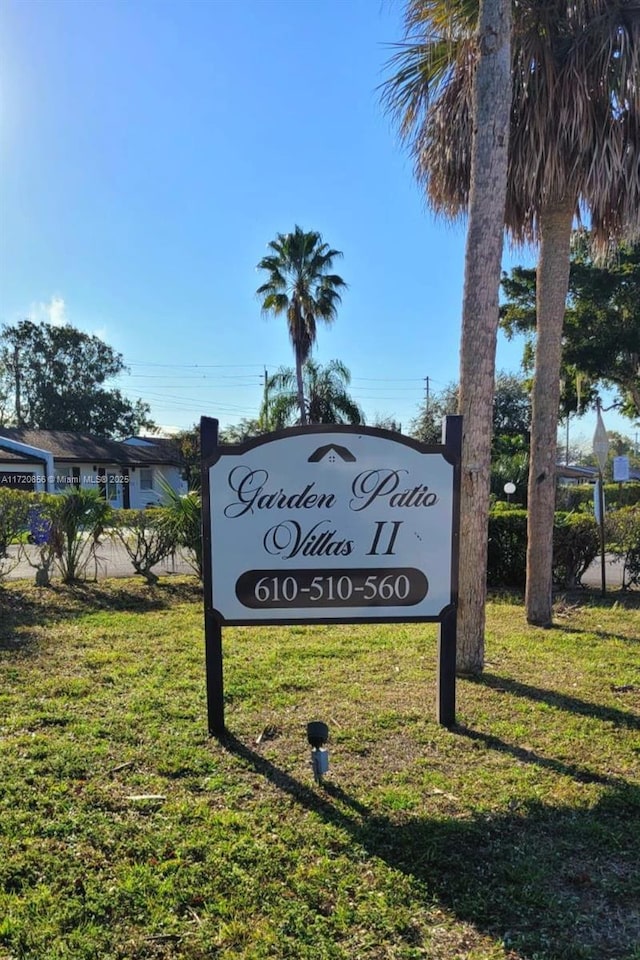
x=111, y=561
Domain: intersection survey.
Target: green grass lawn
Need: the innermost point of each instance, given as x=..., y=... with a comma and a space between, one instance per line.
x=125, y=832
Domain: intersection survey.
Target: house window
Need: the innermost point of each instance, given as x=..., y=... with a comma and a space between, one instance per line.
x=67, y=478
x=146, y=478
x=64, y=479
x=112, y=487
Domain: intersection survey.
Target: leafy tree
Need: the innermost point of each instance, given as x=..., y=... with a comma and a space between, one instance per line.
x=247, y=428
x=57, y=377
x=574, y=143
x=511, y=414
x=300, y=285
x=427, y=425
x=325, y=391
x=187, y=442
x=386, y=421
x=511, y=423
x=601, y=336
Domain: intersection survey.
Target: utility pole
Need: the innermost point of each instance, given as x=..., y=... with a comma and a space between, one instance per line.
x=265, y=402
x=426, y=398
x=16, y=373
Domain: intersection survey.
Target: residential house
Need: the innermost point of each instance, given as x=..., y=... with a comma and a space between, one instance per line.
x=128, y=473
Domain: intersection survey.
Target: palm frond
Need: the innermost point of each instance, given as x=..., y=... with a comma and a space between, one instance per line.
x=575, y=125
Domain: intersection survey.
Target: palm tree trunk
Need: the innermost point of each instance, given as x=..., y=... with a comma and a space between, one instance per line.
x=300, y=389
x=552, y=284
x=492, y=102
x=298, y=352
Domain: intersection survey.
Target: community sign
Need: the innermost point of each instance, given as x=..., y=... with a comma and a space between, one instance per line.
x=330, y=524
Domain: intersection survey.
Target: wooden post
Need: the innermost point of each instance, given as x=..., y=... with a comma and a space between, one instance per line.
x=446, y=693
x=212, y=627
x=215, y=684
x=448, y=629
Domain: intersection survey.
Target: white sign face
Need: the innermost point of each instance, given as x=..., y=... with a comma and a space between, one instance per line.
x=620, y=469
x=322, y=526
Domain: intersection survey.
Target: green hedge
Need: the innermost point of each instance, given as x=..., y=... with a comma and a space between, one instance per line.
x=575, y=547
x=616, y=495
x=507, y=552
x=576, y=543
x=623, y=540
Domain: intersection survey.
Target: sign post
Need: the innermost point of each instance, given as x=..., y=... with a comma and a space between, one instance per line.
x=330, y=524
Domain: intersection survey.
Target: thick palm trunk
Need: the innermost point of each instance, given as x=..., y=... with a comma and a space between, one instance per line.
x=552, y=284
x=492, y=101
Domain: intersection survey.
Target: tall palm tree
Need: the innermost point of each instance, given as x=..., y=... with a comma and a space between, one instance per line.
x=480, y=33
x=301, y=286
x=326, y=395
x=574, y=145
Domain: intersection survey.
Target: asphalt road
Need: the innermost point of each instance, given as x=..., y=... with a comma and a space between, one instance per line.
x=112, y=561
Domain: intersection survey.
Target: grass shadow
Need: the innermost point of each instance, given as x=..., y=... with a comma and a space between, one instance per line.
x=585, y=596
x=621, y=718
x=25, y=607
x=550, y=882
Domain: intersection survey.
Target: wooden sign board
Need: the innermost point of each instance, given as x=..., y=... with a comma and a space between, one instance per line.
x=330, y=524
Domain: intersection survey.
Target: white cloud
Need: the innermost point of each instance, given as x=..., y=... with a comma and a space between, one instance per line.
x=53, y=312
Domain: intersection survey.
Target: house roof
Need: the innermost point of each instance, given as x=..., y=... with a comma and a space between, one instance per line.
x=17, y=456
x=574, y=472
x=77, y=447
x=588, y=474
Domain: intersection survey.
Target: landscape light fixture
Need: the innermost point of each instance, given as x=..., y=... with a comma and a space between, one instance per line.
x=509, y=488
x=317, y=735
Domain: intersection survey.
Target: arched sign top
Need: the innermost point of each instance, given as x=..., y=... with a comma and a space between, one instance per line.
x=448, y=451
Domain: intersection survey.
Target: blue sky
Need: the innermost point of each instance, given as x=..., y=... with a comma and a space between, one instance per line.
x=152, y=148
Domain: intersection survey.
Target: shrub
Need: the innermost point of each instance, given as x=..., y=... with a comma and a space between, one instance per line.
x=507, y=550
x=623, y=540
x=79, y=524
x=146, y=537
x=182, y=521
x=575, y=546
x=14, y=507
x=41, y=521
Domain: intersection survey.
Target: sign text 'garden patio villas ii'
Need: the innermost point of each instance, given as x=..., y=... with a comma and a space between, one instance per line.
x=330, y=524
